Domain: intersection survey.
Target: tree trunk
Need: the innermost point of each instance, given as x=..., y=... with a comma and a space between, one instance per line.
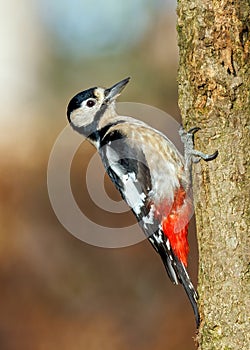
x=214, y=83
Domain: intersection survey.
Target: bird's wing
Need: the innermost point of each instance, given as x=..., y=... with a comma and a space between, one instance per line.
x=127, y=167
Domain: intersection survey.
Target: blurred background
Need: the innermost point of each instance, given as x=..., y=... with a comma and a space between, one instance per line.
x=57, y=292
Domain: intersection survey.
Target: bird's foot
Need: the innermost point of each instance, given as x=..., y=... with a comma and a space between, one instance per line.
x=191, y=155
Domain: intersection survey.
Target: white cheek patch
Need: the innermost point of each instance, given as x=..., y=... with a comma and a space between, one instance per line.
x=85, y=115
x=82, y=116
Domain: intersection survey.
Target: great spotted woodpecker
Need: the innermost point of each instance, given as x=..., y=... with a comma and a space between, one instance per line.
x=152, y=176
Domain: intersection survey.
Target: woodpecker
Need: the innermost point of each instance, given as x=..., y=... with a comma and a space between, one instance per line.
x=150, y=173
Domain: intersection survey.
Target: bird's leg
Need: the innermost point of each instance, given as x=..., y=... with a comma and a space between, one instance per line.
x=191, y=155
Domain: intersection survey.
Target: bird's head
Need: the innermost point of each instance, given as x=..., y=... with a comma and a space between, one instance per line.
x=87, y=107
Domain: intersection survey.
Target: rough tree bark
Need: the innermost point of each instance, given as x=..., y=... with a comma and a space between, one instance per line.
x=214, y=83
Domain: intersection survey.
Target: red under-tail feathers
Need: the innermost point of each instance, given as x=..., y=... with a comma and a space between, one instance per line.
x=175, y=224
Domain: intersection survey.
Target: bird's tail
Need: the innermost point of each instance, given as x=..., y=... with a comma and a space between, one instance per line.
x=178, y=274
x=192, y=294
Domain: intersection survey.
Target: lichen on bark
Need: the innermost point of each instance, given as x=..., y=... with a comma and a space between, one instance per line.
x=214, y=81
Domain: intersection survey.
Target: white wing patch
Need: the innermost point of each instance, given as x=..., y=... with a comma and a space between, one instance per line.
x=134, y=199
x=131, y=195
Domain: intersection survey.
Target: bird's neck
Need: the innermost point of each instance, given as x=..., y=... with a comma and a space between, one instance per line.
x=108, y=116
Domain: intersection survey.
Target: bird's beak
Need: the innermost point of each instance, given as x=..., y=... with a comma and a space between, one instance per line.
x=112, y=93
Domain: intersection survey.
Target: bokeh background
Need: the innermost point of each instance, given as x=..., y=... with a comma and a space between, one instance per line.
x=57, y=292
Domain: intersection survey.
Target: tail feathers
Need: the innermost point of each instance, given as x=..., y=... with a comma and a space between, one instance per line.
x=175, y=269
x=170, y=267
x=178, y=274
x=189, y=289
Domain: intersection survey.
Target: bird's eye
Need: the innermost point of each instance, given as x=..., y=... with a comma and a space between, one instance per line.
x=90, y=103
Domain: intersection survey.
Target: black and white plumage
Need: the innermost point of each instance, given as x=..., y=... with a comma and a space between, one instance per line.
x=151, y=175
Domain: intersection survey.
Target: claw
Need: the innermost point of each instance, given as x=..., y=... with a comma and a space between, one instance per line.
x=193, y=130
x=190, y=154
x=209, y=157
x=206, y=157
